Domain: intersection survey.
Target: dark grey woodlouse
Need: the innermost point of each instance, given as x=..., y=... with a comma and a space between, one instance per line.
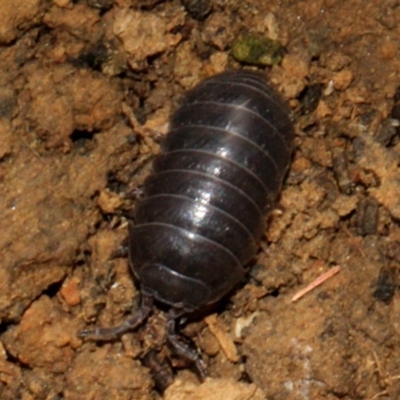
x=220, y=172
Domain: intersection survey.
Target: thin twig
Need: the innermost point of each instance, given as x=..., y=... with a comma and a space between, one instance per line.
x=353, y=240
x=316, y=282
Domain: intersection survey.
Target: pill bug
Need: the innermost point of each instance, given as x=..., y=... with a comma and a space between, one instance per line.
x=196, y=229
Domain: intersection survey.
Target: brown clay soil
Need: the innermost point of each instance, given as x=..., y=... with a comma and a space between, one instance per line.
x=86, y=90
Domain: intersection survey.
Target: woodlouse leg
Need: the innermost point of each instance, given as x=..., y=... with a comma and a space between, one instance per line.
x=105, y=334
x=135, y=194
x=160, y=370
x=122, y=251
x=182, y=348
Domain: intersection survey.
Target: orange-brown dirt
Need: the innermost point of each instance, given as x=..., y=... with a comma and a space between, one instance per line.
x=86, y=90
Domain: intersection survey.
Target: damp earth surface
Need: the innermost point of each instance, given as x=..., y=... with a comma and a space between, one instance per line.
x=86, y=91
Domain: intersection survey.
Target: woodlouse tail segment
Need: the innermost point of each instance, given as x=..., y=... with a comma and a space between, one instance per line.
x=106, y=334
x=181, y=348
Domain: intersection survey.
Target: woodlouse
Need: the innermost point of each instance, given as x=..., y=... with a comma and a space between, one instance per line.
x=197, y=227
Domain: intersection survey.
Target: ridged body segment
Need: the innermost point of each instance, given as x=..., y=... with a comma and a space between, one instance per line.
x=219, y=174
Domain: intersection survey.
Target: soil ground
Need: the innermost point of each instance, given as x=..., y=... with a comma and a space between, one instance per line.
x=86, y=91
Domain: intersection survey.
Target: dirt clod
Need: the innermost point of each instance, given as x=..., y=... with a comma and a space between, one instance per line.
x=86, y=91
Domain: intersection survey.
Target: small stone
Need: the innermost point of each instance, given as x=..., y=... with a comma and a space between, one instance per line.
x=342, y=79
x=257, y=50
x=70, y=292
